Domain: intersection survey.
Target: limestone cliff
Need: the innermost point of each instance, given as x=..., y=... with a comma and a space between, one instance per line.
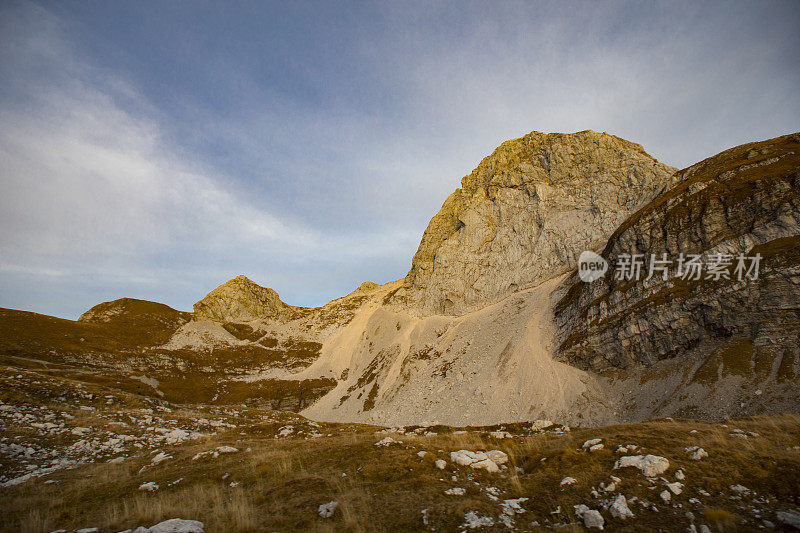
x=525, y=214
x=743, y=201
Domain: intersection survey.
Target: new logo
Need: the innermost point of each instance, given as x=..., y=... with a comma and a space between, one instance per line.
x=591, y=266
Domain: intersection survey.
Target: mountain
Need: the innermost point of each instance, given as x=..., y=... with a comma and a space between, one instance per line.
x=525, y=214
x=240, y=300
x=492, y=323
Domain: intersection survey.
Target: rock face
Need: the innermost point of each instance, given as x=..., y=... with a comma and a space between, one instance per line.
x=526, y=213
x=240, y=300
x=743, y=201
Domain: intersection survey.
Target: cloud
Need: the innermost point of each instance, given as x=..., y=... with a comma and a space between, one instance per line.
x=94, y=189
x=158, y=159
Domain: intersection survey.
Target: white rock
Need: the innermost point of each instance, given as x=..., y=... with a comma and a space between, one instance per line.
x=492, y=492
x=497, y=456
x=592, y=442
x=741, y=489
x=456, y=491
x=514, y=506
x=176, y=436
x=666, y=496
x=160, y=458
x=789, y=517
x=200, y=455
x=619, y=509
x=487, y=464
x=150, y=486
x=509, y=509
x=488, y=461
x=626, y=449
x=440, y=464
x=650, y=465
x=538, y=425
x=696, y=453
x=466, y=457
x=568, y=481
x=326, y=510
x=675, y=488
x=596, y=447
x=473, y=520
x=591, y=518
x=227, y=449
x=174, y=525
x=501, y=435
x=387, y=441
x=422, y=453
x=679, y=475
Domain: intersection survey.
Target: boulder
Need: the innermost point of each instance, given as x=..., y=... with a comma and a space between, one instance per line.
x=650, y=465
x=619, y=508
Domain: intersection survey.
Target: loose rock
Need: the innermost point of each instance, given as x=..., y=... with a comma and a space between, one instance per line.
x=650, y=465
x=326, y=510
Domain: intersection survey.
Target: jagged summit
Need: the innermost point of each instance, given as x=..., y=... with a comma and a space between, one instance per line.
x=240, y=300
x=525, y=214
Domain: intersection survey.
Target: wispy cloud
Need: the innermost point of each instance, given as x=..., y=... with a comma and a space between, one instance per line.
x=156, y=159
x=95, y=189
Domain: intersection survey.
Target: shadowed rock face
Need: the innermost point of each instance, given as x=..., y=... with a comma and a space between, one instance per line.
x=240, y=300
x=744, y=200
x=526, y=213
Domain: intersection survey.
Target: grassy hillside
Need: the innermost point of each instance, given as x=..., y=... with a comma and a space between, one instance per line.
x=284, y=467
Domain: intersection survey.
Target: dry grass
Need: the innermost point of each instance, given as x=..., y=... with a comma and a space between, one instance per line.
x=282, y=482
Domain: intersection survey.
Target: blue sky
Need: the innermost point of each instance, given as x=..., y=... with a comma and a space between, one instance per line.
x=156, y=149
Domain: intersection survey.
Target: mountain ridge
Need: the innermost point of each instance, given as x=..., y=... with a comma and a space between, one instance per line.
x=512, y=344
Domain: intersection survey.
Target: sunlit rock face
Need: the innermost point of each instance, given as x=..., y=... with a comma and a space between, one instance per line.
x=525, y=215
x=239, y=300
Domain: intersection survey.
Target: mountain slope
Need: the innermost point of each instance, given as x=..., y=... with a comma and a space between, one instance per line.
x=489, y=365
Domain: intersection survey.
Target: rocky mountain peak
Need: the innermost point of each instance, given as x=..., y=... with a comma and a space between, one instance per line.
x=240, y=300
x=526, y=213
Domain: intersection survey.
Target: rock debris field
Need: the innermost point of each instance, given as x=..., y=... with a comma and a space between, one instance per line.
x=78, y=456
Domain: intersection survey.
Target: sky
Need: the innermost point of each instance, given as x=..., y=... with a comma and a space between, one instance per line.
x=155, y=150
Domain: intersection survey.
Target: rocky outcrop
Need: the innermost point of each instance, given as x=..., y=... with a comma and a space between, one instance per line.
x=745, y=201
x=525, y=214
x=240, y=300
